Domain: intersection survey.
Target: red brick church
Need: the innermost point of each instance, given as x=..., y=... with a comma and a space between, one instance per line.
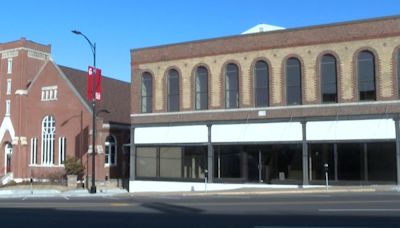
x=46, y=117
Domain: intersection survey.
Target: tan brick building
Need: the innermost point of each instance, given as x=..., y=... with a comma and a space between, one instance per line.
x=270, y=107
x=46, y=117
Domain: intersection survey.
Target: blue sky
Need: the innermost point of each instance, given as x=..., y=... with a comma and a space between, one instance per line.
x=117, y=26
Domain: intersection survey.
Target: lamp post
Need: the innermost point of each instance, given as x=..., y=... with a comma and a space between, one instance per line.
x=93, y=48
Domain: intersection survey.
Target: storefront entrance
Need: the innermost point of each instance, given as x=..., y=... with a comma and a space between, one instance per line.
x=271, y=164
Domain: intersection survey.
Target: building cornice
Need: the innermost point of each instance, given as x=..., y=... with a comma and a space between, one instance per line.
x=266, y=109
x=11, y=53
x=323, y=34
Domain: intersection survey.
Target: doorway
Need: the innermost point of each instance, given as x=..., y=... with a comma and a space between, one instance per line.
x=8, y=154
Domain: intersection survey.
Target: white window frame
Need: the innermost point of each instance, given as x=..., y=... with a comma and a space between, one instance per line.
x=48, y=138
x=9, y=65
x=33, y=151
x=8, y=107
x=107, y=147
x=62, y=147
x=8, y=91
x=49, y=93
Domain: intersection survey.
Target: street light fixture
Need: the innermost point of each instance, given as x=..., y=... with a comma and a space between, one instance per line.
x=93, y=48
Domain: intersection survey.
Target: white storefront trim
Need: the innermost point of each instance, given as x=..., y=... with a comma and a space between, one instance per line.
x=351, y=129
x=175, y=134
x=174, y=186
x=256, y=132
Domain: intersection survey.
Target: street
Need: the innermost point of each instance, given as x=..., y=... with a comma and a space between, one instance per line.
x=378, y=209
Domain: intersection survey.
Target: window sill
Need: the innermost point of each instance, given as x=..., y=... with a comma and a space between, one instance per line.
x=109, y=166
x=46, y=166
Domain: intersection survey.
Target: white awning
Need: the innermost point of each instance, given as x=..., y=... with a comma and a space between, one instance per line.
x=257, y=132
x=351, y=129
x=176, y=134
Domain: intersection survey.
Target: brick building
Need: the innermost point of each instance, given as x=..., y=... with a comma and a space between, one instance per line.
x=271, y=107
x=46, y=117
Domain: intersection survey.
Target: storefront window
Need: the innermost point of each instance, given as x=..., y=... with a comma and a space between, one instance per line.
x=146, y=162
x=171, y=162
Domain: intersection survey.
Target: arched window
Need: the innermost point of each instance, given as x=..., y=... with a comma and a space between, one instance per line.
x=147, y=93
x=293, y=82
x=110, y=151
x=366, y=76
x=231, y=86
x=48, y=137
x=261, y=93
x=328, y=77
x=201, y=99
x=173, y=91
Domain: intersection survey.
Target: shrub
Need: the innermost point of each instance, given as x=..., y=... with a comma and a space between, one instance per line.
x=73, y=166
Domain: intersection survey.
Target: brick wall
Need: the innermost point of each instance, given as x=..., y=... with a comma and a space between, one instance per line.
x=345, y=52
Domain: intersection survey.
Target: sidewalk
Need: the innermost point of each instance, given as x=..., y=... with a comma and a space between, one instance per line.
x=21, y=191
x=276, y=191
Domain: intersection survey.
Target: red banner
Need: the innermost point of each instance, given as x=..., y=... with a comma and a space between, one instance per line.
x=91, y=72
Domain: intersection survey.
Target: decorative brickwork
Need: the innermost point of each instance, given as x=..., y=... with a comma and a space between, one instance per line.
x=343, y=41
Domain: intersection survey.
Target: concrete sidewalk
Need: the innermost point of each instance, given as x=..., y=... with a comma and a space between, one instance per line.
x=21, y=191
x=276, y=191
x=62, y=191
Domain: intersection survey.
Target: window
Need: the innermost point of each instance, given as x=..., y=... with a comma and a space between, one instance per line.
x=48, y=137
x=147, y=93
x=33, y=151
x=171, y=162
x=261, y=74
x=110, y=155
x=187, y=162
x=366, y=76
x=49, y=93
x=201, y=99
x=398, y=72
x=328, y=76
x=146, y=162
x=9, y=65
x=293, y=82
x=62, y=148
x=8, y=92
x=8, y=108
x=173, y=91
x=232, y=86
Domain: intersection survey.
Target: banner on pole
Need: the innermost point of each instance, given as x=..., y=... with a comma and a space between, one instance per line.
x=97, y=80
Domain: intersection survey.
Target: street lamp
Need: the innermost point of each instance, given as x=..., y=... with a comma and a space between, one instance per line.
x=93, y=48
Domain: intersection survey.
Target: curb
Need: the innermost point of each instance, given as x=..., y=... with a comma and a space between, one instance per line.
x=280, y=192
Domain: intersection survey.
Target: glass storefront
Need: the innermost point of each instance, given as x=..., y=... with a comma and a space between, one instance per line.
x=187, y=162
x=353, y=163
x=347, y=162
x=280, y=163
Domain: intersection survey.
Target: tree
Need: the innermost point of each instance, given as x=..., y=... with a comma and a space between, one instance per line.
x=73, y=166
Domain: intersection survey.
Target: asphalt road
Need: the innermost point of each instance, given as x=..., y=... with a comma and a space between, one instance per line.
x=294, y=210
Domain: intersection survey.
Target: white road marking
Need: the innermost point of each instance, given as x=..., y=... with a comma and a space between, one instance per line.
x=360, y=210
